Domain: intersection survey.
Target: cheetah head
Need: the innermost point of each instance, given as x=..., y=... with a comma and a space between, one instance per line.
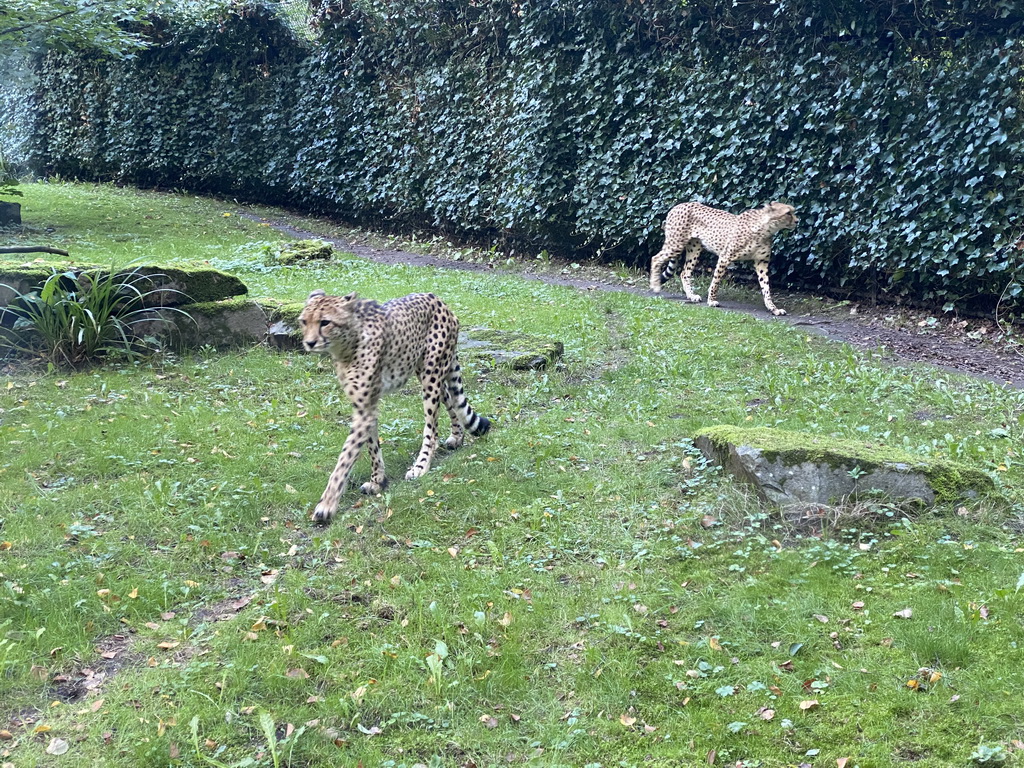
x=326, y=320
x=779, y=216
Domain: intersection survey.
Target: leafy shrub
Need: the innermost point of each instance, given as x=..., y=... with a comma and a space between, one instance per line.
x=898, y=135
x=74, y=318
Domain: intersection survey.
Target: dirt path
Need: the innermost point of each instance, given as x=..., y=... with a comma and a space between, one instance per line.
x=974, y=348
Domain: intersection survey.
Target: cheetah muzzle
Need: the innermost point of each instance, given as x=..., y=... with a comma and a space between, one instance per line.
x=746, y=237
x=375, y=349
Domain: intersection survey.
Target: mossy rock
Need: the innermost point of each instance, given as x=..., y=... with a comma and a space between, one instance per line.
x=798, y=468
x=282, y=322
x=222, y=324
x=303, y=251
x=171, y=285
x=509, y=349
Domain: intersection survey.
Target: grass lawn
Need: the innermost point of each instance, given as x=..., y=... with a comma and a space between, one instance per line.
x=576, y=588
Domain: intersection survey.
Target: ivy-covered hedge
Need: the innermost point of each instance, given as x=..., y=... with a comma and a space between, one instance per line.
x=894, y=128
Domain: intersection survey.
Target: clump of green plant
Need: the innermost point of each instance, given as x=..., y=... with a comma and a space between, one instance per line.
x=75, y=318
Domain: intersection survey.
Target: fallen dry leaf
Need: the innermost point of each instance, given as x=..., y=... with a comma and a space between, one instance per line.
x=906, y=613
x=841, y=762
x=809, y=704
x=766, y=714
x=57, y=747
x=626, y=720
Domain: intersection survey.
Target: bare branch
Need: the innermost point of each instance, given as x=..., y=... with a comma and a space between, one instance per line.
x=32, y=249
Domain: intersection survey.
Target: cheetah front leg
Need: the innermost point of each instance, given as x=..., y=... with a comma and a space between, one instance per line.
x=378, y=480
x=432, y=381
x=720, y=268
x=761, y=269
x=363, y=425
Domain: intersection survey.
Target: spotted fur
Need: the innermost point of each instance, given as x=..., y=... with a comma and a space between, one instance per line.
x=746, y=237
x=375, y=349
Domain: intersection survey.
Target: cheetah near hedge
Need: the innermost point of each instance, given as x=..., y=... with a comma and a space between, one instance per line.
x=375, y=349
x=746, y=237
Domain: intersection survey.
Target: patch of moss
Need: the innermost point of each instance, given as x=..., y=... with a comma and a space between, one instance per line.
x=519, y=351
x=282, y=311
x=181, y=281
x=951, y=481
x=211, y=309
x=198, y=283
x=302, y=251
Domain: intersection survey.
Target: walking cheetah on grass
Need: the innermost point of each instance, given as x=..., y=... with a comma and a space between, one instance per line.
x=375, y=349
x=746, y=237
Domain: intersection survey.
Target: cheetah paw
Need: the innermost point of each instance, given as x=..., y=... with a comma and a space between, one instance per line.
x=452, y=443
x=413, y=473
x=371, y=488
x=713, y=303
x=695, y=299
x=778, y=312
x=322, y=514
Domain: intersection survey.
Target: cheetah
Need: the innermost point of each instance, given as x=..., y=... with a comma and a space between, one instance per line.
x=375, y=348
x=745, y=237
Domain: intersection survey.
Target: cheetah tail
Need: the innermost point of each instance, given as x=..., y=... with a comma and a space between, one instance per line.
x=668, y=271
x=479, y=425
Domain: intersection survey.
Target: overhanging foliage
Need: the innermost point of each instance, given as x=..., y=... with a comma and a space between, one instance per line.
x=894, y=128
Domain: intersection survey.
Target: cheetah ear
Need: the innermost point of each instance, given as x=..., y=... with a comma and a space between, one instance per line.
x=317, y=292
x=350, y=297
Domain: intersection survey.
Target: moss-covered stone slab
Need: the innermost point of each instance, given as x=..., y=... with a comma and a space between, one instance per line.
x=283, y=322
x=172, y=285
x=791, y=468
x=509, y=349
x=302, y=251
x=490, y=347
x=222, y=324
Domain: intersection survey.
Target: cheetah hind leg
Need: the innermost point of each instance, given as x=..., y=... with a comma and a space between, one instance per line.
x=693, y=248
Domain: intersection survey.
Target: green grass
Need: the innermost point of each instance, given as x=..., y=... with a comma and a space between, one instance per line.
x=574, y=589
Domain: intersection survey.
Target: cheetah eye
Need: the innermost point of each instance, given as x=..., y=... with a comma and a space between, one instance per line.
x=324, y=323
